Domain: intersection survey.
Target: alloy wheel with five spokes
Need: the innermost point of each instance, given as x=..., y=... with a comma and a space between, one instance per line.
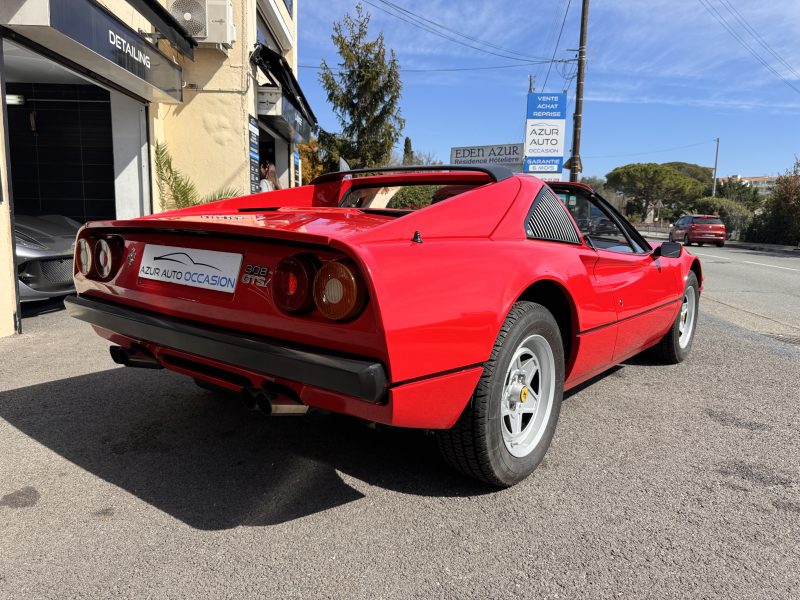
x=527, y=395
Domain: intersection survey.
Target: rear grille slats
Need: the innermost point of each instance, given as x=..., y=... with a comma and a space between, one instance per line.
x=548, y=220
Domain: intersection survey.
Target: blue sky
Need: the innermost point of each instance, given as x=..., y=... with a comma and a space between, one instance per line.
x=661, y=74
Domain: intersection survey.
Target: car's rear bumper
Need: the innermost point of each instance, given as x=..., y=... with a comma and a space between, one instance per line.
x=358, y=378
x=706, y=237
x=28, y=294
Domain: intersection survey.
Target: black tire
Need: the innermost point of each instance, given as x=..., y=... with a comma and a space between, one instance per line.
x=686, y=241
x=669, y=349
x=475, y=445
x=720, y=244
x=700, y=244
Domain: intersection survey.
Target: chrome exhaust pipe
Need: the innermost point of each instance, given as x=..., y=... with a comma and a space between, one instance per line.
x=283, y=401
x=263, y=401
x=249, y=398
x=133, y=357
x=287, y=409
x=271, y=403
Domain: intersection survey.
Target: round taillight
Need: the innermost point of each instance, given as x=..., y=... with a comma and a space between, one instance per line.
x=104, y=259
x=339, y=291
x=84, y=256
x=292, y=283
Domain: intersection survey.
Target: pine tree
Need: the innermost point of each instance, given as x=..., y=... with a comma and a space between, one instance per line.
x=365, y=94
x=408, y=152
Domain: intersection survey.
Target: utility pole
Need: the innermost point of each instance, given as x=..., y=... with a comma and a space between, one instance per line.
x=531, y=80
x=716, y=160
x=575, y=166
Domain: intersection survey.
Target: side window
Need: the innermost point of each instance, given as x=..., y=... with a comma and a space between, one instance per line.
x=597, y=225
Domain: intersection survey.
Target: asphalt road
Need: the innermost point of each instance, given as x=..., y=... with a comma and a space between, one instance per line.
x=662, y=482
x=757, y=290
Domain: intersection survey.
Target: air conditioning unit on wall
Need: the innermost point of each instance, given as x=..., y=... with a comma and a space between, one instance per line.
x=210, y=22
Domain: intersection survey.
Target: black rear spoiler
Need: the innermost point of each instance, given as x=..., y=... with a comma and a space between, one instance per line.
x=497, y=173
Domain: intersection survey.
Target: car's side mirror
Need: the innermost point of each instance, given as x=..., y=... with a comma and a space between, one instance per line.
x=669, y=250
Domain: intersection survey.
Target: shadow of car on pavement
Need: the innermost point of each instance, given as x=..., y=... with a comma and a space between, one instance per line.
x=204, y=459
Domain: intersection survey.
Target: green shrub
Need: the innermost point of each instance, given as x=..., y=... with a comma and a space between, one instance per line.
x=779, y=222
x=734, y=214
x=412, y=197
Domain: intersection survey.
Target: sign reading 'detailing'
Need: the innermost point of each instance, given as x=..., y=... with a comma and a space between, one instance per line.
x=545, y=132
x=134, y=52
x=95, y=28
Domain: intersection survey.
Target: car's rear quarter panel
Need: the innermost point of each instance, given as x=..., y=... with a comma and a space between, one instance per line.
x=442, y=302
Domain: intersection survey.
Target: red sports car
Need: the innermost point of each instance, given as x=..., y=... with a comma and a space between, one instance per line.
x=458, y=299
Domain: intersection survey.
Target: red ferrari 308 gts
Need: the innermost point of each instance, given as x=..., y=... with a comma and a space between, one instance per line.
x=458, y=299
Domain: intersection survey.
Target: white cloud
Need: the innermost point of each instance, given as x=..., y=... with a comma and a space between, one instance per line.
x=680, y=39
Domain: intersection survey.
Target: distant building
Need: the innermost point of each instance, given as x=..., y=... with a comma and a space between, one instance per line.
x=762, y=183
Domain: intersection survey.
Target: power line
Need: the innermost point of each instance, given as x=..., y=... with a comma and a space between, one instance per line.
x=558, y=41
x=436, y=32
x=652, y=151
x=418, y=17
x=722, y=21
x=758, y=37
x=551, y=33
x=451, y=69
x=568, y=72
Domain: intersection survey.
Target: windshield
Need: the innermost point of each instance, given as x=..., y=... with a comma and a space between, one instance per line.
x=401, y=197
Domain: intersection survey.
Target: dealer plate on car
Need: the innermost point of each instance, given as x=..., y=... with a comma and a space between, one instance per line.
x=207, y=269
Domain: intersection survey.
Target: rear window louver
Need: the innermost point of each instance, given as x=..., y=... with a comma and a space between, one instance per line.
x=548, y=220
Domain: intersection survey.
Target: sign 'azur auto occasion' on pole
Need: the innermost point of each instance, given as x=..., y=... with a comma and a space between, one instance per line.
x=545, y=129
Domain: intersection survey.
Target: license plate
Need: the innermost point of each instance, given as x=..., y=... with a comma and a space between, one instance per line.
x=205, y=269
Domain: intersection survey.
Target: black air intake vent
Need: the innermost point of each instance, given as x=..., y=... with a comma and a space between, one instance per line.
x=549, y=220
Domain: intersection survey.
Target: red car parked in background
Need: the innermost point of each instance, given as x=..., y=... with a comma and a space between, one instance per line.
x=698, y=229
x=458, y=299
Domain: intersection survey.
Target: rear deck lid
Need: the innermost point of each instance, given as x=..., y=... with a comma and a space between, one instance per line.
x=299, y=224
